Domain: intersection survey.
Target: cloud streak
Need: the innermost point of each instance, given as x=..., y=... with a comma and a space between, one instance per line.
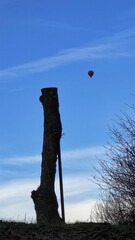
x=15, y=200
x=79, y=192
x=113, y=46
x=74, y=154
x=64, y=57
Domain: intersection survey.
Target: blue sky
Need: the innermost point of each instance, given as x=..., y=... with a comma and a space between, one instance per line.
x=53, y=44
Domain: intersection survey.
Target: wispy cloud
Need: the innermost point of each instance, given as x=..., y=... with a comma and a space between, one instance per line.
x=21, y=160
x=78, y=188
x=15, y=200
x=83, y=152
x=16, y=188
x=74, y=154
x=64, y=57
x=110, y=46
x=79, y=192
x=79, y=211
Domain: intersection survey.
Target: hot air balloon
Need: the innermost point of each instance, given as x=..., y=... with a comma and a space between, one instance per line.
x=90, y=73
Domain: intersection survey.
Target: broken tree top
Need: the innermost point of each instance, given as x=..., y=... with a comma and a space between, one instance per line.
x=48, y=93
x=50, y=89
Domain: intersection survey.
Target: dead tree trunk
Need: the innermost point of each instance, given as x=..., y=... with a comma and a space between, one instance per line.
x=46, y=205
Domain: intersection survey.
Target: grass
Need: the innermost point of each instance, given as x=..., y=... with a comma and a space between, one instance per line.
x=10, y=229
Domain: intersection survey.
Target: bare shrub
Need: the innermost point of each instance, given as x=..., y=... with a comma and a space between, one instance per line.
x=116, y=177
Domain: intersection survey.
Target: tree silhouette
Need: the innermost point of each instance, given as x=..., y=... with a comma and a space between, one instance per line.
x=44, y=197
x=116, y=176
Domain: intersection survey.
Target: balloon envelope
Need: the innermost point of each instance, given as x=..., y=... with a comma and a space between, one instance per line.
x=91, y=73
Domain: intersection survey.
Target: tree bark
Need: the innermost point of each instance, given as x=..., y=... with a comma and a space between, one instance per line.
x=45, y=200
